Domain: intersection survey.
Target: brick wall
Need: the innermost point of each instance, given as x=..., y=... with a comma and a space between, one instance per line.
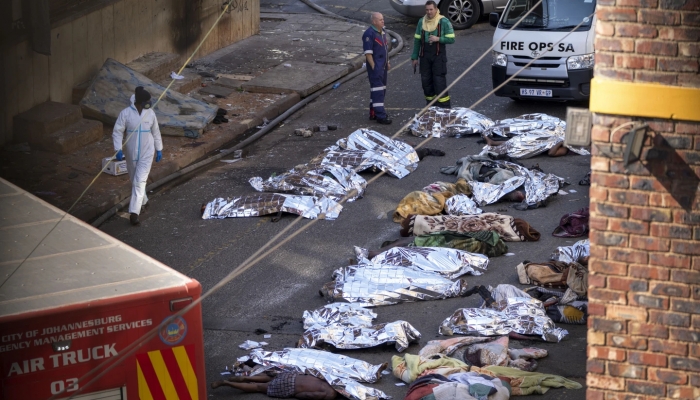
x=644, y=287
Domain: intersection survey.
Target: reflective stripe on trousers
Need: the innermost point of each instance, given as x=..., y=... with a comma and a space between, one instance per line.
x=433, y=73
x=377, y=91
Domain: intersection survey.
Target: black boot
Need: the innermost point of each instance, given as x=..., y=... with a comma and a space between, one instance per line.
x=134, y=219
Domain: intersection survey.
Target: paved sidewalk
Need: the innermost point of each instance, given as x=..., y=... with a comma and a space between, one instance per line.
x=327, y=48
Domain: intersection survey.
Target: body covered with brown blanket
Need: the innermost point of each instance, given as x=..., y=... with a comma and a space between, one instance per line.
x=510, y=229
x=430, y=200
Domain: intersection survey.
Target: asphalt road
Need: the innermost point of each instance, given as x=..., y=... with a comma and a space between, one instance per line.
x=273, y=294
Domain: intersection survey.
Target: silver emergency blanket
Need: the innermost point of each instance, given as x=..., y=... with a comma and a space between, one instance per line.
x=366, y=148
x=255, y=205
x=457, y=122
x=574, y=253
x=401, y=333
x=504, y=292
x=448, y=262
x=332, y=181
x=530, y=135
x=538, y=185
x=522, y=314
x=529, y=145
x=343, y=314
x=526, y=123
x=371, y=286
x=341, y=372
x=461, y=204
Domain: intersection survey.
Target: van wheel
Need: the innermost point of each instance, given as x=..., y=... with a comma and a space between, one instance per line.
x=462, y=13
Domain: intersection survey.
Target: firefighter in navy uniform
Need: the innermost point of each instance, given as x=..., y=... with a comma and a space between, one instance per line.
x=376, y=52
x=433, y=33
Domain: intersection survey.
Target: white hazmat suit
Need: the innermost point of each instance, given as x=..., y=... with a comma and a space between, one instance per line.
x=143, y=140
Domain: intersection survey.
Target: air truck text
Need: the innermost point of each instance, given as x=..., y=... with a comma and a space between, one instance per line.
x=537, y=46
x=63, y=359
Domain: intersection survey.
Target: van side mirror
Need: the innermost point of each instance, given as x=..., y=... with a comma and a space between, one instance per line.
x=493, y=19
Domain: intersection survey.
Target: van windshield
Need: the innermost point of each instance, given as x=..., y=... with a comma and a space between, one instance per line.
x=550, y=14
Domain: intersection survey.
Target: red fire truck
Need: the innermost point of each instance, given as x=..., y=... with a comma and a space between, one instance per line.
x=75, y=299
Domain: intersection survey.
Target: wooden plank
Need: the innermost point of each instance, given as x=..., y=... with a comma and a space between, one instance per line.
x=223, y=31
x=9, y=66
x=55, y=74
x=107, y=33
x=94, y=49
x=65, y=52
x=80, y=51
x=25, y=80
x=145, y=19
x=212, y=42
x=255, y=8
x=242, y=21
x=133, y=30
x=161, y=23
x=236, y=25
x=120, y=32
x=4, y=127
x=40, y=73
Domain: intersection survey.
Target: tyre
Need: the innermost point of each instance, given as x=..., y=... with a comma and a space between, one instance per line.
x=462, y=13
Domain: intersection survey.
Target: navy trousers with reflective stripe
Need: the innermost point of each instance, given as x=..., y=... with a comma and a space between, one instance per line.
x=433, y=74
x=377, y=84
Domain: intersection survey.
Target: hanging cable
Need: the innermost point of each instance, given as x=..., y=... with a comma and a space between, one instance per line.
x=279, y=239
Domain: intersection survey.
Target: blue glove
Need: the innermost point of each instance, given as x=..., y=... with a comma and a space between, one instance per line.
x=120, y=155
x=159, y=155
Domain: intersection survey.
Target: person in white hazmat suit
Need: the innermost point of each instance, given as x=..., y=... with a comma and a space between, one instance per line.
x=139, y=126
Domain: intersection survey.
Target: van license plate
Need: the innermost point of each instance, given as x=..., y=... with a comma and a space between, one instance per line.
x=536, y=92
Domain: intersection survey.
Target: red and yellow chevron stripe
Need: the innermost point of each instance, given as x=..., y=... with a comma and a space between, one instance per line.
x=167, y=374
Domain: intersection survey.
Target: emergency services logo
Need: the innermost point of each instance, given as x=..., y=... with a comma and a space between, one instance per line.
x=174, y=331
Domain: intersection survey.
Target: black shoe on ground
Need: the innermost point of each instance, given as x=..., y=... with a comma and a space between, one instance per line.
x=134, y=219
x=385, y=121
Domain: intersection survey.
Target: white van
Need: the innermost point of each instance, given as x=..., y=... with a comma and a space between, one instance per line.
x=565, y=67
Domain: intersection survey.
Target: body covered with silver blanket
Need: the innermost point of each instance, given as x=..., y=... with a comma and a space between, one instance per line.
x=513, y=311
x=339, y=314
x=401, y=333
x=573, y=253
x=332, y=181
x=448, y=262
x=385, y=285
x=343, y=373
x=255, y=205
x=454, y=122
x=366, y=148
x=538, y=186
x=530, y=135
